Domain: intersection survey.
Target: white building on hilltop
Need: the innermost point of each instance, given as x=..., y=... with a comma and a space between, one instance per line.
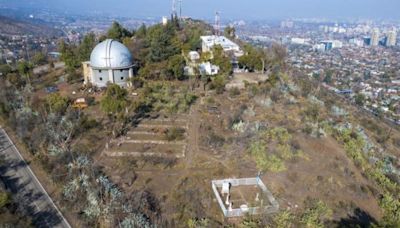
x=110, y=62
x=208, y=42
x=208, y=69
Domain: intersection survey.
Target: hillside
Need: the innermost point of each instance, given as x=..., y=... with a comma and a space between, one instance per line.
x=146, y=155
x=11, y=26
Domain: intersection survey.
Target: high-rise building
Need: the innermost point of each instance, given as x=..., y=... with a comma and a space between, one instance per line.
x=367, y=41
x=391, y=38
x=375, y=37
x=331, y=44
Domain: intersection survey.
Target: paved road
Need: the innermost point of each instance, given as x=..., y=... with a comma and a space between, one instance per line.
x=27, y=190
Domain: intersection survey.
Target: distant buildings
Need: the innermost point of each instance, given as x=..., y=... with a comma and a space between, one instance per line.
x=287, y=24
x=375, y=37
x=296, y=40
x=367, y=41
x=208, y=42
x=391, y=38
x=356, y=42
x=327, y=45
x=332, y=29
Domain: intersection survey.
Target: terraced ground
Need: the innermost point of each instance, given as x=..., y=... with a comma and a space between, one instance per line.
x=149, y=138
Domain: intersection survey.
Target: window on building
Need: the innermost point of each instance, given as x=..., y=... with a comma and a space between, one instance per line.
x=99, y=71
x=122, y=78
x=121, y=70
x=101, y=79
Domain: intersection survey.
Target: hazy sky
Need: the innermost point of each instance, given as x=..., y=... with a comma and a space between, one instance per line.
x=235, y=9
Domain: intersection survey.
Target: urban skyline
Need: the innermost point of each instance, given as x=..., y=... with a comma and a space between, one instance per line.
x=339, y=9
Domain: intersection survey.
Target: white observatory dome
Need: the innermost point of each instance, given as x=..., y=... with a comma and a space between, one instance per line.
x=110, y=54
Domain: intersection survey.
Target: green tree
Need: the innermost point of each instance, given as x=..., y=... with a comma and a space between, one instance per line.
x=221, y=60
x=24, y=69
x=163, y=43
x=328, y=77
x=218, y=83
x=114, y=100
x=39, y=59
x=284, y=219
x=69, y=56
x=316, y=214
x=5, y=69
x=360, y=99
x=254, y=59
x=141, y=32
x=117, y=32
x=230, y=32
x=86, y=47
x=391, y=207
x=57, y=103
x=176, y=65
x=4, y=199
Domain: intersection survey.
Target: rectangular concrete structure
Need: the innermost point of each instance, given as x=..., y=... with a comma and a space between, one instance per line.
x=237, y=212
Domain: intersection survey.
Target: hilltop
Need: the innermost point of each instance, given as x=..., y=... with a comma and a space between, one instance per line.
x=145, y=155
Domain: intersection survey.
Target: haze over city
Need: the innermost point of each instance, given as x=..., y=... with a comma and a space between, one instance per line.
x=232, y=9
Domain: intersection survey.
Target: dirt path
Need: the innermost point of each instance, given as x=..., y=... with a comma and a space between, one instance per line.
x=193, y=134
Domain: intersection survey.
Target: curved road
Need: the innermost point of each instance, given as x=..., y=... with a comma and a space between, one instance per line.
x=26, y=188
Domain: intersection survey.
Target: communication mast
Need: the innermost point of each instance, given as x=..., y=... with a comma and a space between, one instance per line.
x=174, y=8
x=217, y=25
x=180, y=9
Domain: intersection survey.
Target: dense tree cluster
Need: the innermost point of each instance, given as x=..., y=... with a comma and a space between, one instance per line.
x=117, y=32
x=73, y=55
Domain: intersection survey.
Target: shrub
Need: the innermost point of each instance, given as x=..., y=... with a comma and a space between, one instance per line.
x=265, y=162
x=215, y=140
x=218, y=84
x=4, y=199
x=315, y=215
x=175, y=134
x=284, y=219
x=234, y=92
x=57, y=103
x=114, y=100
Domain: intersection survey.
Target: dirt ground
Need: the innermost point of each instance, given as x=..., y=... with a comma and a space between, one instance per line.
x=244, y=195
x=327, y=174
x=324, y=172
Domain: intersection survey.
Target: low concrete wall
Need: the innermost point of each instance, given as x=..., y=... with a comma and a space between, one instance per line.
x=237, y=212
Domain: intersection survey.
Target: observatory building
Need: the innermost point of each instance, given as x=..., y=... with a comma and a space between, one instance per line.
x=110, y=62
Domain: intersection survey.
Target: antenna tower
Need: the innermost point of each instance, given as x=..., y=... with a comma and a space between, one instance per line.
x=174, y=8
x=217, y=23
x=180, y=9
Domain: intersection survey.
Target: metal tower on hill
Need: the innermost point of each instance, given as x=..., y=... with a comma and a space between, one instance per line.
x=217, y=25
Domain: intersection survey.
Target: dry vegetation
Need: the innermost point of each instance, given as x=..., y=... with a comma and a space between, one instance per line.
x=326, y=163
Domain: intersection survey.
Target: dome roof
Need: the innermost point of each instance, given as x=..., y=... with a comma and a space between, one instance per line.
x=111, y=54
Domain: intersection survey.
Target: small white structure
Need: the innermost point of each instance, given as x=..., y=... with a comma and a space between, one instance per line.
x=110, y=62
x=225, y=188
x=208, y=69
x=164, y=21
x=208, y=42
x=194, y=56
x=244, y=208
